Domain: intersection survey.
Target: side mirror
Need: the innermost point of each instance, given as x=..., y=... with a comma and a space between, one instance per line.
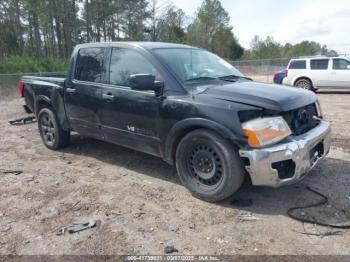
x=144, y=82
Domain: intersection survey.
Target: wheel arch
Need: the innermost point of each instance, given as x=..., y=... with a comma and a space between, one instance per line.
x=182, y=128
x=42, y=102
x=56, y=104
x=303, y=77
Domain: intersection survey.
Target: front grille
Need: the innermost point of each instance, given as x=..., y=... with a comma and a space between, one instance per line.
x=302, y=120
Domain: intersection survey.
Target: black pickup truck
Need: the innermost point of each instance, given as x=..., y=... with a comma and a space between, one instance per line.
x=187, y=106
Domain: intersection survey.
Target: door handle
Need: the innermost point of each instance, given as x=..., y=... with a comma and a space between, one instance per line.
x=70, y=90
x=108, y=96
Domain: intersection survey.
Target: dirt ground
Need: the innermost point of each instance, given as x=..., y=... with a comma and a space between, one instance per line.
x=142, y=207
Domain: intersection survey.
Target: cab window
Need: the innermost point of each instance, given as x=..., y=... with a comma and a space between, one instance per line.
x=126, y=62
x=89, y=65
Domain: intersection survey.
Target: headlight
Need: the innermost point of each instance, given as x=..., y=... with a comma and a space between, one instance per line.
x=265, y=131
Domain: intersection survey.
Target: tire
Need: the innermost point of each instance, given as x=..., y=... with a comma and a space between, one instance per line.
x=304, y=84
x=51, y=132
x=209, y=166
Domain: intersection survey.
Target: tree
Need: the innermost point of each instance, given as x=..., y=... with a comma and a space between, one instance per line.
x=268, y=48
x=170, y=27
x=32, y=9
x=136, y=14
x=8, y=40
x=237, y=50
x=157, y=8
x=211, y=29
x=307, y=48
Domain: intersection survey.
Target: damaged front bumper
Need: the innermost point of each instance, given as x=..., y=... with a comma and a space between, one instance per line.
x=288, y=162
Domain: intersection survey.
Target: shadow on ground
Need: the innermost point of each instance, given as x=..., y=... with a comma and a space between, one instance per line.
x=331, y=178
x=122, y=157
x=333, y=91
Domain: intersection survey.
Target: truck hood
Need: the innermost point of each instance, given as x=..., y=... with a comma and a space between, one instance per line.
x=267, y=96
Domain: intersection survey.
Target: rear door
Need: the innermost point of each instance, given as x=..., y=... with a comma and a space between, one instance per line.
x=129, y=117
x=320, y=72
x=295, y=68
x=83, y=92
x=340, y=73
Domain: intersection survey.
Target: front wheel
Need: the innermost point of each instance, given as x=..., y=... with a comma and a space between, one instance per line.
x=51, y=132
x=209, y=166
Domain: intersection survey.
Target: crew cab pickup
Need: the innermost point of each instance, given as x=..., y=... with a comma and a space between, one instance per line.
x=187, y=106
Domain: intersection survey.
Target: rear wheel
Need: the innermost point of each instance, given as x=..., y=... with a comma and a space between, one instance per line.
x=51, y=132
x=304, y=84
x=209, y=166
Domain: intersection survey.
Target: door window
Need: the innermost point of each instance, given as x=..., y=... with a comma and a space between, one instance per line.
x=126, y=62
x=89, y=65
x=340, y=64
x=319, y=64
x=297, y=64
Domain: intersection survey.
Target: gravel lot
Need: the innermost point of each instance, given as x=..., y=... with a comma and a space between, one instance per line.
x=142, y=207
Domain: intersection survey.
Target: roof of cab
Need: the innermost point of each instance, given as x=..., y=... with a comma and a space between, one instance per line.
x=145, y=45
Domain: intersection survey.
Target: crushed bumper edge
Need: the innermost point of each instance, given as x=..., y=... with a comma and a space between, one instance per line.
x=296, y=149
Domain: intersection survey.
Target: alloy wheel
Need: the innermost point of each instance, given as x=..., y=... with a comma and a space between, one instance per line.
x=48, y=129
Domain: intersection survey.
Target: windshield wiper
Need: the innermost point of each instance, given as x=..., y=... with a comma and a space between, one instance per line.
x=232, y=78
x=201, y=78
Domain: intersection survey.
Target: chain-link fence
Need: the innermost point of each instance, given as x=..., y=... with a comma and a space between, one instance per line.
x=261, y=70
x=9, y=82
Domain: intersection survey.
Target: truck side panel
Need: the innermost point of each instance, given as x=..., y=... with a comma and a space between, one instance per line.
x=45, y=91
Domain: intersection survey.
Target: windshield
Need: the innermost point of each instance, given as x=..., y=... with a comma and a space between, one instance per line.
x=195, y=64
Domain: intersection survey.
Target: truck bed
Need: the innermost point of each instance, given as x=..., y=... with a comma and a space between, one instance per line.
x=34, y=86
x=58, y=80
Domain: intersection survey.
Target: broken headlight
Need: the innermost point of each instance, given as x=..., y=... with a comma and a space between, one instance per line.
x=265, y=131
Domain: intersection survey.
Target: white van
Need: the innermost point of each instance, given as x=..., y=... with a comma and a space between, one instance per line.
x=318, y=72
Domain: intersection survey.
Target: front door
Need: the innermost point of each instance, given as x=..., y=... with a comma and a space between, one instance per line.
x=129, y=117
x=83, y=93
x=340, y=73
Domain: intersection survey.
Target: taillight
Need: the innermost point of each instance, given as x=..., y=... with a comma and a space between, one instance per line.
x=21, y=88
x=286, y=73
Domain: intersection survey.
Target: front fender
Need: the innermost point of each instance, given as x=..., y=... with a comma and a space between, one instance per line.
x=180, y=129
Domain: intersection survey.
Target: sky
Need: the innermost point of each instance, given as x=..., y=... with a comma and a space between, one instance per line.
x=324, y=21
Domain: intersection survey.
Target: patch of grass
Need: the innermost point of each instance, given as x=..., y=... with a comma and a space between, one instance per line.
x=26, y=64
